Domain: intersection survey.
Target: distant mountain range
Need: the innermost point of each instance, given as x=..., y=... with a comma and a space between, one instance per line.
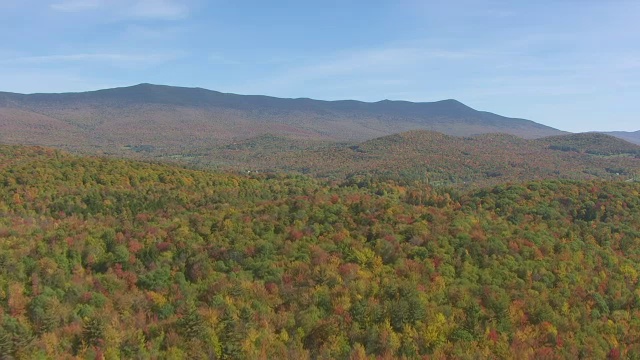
x=175, y=118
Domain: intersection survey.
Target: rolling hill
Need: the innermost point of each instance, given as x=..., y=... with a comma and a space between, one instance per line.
x=440, y=159
x=592, y=143
x=168, y=119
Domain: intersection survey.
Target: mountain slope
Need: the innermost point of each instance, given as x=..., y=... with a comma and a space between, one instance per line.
x=591, y=143
x=630, y=136
x=170, y=118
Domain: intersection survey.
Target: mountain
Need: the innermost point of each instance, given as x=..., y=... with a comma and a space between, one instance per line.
x=630, y=136
x=440, y=159
x=168, y=119
x=444, y=142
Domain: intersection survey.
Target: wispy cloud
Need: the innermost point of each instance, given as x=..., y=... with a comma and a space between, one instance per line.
x=139, y=32
x=140, y=9
x=76, y=5
x=257, y=59
x=158, y=9
x=120, y=58
x=498, y=13
x=219, y=59
x=382, y=61
x=53, y=81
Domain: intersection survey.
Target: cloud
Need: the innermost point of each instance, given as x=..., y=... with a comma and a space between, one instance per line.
x=498, y=13
x=76, y=5
x=128, y=9
x=257, y=60
x=52, y=81
x=218, y=59
x=114, y=58
x=158, y=9
x=140, y=32
x=372, y=62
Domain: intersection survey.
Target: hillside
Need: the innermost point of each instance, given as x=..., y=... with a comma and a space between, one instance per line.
x=437, y=158
x=629, y=136
x=121, y=259
x=171, y=119
x=592, y=143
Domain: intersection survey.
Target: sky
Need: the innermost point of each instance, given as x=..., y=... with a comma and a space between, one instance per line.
x=570, y=64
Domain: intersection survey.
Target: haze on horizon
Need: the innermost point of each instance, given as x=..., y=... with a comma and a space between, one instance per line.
x=572, y=65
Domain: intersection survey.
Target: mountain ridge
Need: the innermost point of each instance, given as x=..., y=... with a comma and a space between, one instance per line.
x=196, y=94
x=122, y=115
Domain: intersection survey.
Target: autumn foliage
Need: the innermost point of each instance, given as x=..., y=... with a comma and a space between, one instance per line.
x=119, y=259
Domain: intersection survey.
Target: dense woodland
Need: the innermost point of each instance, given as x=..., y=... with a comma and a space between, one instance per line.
x=436, y=158
x=114, y=259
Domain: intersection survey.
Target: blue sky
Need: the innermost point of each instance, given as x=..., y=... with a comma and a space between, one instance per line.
x=570, y=64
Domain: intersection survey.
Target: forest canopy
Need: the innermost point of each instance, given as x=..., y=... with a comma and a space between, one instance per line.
x=124, y=259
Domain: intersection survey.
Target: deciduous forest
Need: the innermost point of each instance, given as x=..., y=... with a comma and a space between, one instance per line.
x=119, y=259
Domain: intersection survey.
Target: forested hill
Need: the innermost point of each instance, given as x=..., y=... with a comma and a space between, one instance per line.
x=591, y=143
x=121, y=259
x=175, y=118
x=439, y=159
